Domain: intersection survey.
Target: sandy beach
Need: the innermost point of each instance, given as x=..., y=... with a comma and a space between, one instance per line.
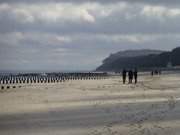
x=93, y=107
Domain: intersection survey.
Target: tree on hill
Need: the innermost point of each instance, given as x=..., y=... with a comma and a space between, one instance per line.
x=142, y=62
x=175, y=57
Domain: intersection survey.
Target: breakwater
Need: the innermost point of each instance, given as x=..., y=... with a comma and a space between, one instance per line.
x=12, y=80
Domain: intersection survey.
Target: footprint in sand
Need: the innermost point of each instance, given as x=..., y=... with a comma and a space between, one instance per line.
x=3, y=91
x=95, y=132
x=105, y=131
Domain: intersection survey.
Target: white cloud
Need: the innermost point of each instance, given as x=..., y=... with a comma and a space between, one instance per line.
x=119, y=38
x=85, y=15
x=63, y=38
x=61, y=12
x=160, y=12
x=48, y=13
x=23, y=15
x=174, y=12
x=21, y=39
x=4, y=7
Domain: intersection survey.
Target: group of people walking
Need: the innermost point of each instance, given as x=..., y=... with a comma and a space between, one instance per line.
x=155, y=72
x=132, y=74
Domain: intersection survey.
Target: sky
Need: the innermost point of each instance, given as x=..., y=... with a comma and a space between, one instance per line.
x=70, y=35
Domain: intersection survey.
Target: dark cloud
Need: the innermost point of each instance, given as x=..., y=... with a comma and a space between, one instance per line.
x=170, y=2
x=35, y=35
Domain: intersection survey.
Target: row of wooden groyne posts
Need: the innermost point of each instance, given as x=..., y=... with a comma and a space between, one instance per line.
x=7, y=81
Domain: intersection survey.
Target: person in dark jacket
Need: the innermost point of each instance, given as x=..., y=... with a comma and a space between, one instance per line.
x=124, y=76
x=130, y=74
x=135, y=75
x=152, y=73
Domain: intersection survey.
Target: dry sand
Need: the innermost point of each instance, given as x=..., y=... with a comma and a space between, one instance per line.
x=93, y=107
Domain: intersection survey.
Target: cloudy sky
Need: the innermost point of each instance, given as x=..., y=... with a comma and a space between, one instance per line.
x=79, y=34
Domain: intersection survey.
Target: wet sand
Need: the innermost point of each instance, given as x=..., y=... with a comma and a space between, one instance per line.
x=93, y=107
